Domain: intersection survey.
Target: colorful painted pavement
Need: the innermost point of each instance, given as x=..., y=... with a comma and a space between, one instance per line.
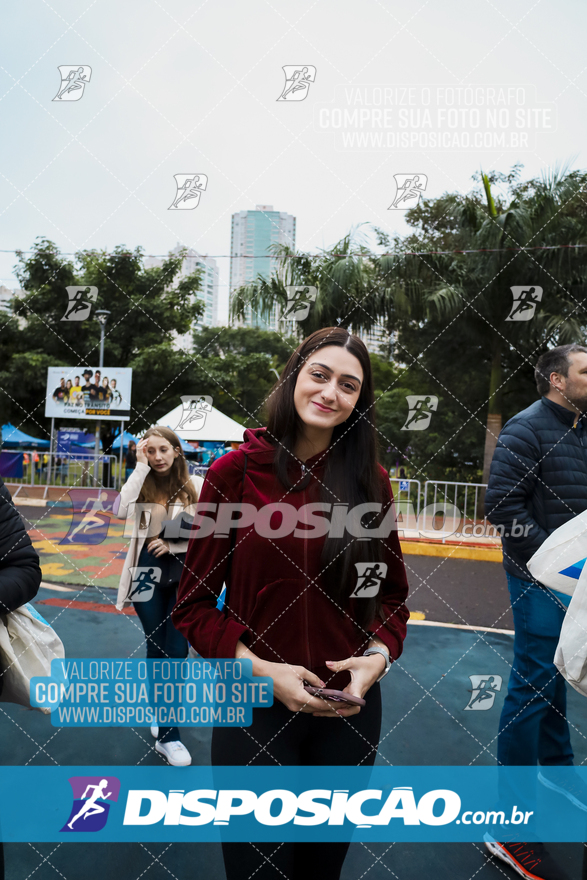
x=65, y=561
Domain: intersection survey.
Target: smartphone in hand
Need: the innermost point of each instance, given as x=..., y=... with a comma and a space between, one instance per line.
x=336, y=696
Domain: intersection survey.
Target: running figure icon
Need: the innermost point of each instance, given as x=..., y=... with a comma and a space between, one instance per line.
x=189, y=189
x=525, y=300
x=297, y=82
x=80, y=301
x=92, y=519
x=73, y=82
x=421, y=408
x=91, y=808
x=370, y=575
x=483, y=691
x=410, y=188
x=144, y=581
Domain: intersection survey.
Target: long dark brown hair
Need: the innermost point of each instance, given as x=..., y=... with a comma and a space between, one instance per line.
x=177, y=483
x=351, y=475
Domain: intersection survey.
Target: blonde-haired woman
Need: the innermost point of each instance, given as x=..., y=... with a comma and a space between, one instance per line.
x=161, y=478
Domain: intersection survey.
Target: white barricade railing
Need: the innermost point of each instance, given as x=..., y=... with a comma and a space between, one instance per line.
x=454, y=509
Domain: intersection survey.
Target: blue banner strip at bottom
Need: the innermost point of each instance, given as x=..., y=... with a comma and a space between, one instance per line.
x=214, y=804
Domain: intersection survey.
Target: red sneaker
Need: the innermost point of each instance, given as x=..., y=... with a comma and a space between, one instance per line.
x=530, y=860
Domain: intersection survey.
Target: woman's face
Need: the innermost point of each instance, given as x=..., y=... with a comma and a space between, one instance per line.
x=68, y=384
x=328, y=387
x=160, y=454
x=105, y=382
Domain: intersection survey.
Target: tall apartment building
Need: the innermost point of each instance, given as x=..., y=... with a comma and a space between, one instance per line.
x=251, y=235
x=209, y=288
x=208, y=292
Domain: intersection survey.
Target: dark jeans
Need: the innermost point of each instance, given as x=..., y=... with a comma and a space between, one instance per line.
x=278, y=736
x=533, y=726
x=163, y=640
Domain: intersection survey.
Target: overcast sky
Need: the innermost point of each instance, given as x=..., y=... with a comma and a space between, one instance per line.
x=185, y=86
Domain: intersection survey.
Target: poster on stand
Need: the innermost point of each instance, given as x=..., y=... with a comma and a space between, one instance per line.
x=88, y=392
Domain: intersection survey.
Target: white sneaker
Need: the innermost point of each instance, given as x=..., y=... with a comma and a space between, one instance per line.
x=154, y=731
x=175, y=752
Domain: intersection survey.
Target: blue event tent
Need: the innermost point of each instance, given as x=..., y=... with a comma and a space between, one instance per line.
x=125, y=440
x=13, y=438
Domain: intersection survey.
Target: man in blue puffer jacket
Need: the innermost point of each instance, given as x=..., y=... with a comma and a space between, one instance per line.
x=538, y=481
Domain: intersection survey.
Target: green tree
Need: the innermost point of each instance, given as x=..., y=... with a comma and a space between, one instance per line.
x=241, y=365
x=449, y=311
x=148, y=308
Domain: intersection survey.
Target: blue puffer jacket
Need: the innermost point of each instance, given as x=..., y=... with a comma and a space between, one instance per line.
x=538, y=478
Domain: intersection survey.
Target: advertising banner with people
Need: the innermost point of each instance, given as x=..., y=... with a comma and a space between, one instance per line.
x=81, y=392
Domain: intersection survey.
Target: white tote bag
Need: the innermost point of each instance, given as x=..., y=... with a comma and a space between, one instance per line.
x=571, y=652
x=27, y=646
x=559, y=560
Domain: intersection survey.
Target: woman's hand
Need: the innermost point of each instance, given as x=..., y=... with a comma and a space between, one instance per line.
x=288, y=687
x=158, y=547
x=142, y=452
x=364, y=673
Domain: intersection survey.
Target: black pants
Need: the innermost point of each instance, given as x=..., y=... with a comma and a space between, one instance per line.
x=278, y=736
x=163, y=640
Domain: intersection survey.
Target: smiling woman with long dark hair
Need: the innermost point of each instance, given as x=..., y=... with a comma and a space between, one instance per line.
x=296, y=603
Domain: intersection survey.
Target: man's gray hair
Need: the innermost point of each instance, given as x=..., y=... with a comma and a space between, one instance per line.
x=555, y=360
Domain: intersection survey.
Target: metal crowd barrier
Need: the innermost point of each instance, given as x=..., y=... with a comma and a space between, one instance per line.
x=70, y=469
x=460, y=506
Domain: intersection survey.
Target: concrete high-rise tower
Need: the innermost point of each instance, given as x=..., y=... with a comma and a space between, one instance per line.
x=251, y=235
x=208, y=292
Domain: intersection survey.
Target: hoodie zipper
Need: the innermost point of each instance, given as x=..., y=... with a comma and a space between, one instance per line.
x=306, y=587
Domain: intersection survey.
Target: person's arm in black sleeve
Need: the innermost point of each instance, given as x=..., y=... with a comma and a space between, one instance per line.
x=20, y=573
x=512, y=481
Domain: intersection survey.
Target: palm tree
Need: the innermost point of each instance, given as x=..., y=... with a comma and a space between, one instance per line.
x=343, y=277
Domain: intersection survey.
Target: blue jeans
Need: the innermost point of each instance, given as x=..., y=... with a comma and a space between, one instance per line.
x=533, y=726
x=163, y=640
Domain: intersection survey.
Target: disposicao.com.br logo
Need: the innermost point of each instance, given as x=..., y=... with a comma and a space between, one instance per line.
x=278, y=807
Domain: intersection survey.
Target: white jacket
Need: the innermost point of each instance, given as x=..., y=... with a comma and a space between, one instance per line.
x=126, y=508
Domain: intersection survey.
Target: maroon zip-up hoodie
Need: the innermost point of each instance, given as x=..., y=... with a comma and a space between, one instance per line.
x=278, y=603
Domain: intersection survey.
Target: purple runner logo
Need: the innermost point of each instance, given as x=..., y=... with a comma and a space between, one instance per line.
x=90, y=802
x=92, y=514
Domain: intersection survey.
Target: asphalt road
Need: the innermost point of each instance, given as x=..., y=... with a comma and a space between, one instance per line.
x=462, y=591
